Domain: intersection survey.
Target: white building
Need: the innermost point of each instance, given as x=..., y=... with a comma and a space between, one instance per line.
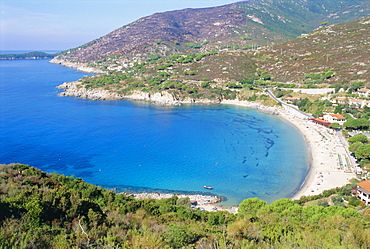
x=364, y=92
x=339, y=100
x=359, y=103
x=334, y=118
x=363, y=192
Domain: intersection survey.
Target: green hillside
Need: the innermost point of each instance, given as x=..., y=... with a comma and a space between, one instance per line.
x=41, y=210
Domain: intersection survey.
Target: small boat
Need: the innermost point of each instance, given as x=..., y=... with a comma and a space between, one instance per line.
x=207, y=187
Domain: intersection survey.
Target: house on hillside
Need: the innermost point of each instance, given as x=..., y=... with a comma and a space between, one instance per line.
x=363, y=192
x=359, y=103
x=338, y=100
x=364, y=92
x=334, y=118
x=290, y=99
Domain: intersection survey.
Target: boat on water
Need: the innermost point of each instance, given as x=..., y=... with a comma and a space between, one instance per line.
x=207, y=187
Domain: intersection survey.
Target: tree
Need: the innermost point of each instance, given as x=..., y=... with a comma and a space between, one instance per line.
x=323, y=203
x=153, y=57
x=350, y=124
x=334, y=126
x=338, y=109
x=337, y=87
x=251, y=206
x=354, y=146
x=363, y=123
x=192, y=45
x=265, y=76
x=363, y=151
x=358, y=138
x=178, y=236
x=355, y=85
x=279, y=94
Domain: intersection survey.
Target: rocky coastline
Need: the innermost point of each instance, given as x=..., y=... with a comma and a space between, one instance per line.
x=83, y=67
x=74, y=89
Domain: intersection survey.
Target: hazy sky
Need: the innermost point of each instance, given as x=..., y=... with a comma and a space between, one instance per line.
x=63, y=24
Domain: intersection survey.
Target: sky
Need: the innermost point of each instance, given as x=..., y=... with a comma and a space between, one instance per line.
x=63, y=24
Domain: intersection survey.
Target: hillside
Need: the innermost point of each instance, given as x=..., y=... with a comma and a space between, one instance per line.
x=241, y=24
x=341, y=48
x=338, y=53
x=41, y=210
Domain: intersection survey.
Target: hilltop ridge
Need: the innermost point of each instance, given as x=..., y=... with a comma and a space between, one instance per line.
x=240, y=24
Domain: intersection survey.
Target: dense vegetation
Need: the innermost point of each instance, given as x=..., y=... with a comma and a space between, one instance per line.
x=29, y=55
x=360, y=147
x=40, y=210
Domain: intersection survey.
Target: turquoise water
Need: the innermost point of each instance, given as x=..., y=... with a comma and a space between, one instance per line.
x=238, y=151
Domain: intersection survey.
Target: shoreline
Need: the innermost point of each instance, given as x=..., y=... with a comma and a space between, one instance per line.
x=328, y=159
x=325, y=169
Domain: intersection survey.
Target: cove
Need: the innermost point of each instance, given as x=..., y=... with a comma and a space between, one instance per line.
x=240, y=152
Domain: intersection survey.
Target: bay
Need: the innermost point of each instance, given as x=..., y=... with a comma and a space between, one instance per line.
x=240, y=152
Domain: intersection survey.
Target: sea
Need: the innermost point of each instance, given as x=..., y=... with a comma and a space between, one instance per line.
x=135, y=146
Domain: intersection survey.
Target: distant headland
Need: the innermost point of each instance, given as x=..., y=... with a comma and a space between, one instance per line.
x=35, y=55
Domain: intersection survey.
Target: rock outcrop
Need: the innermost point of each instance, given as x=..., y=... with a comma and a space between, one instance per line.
x=74, y=89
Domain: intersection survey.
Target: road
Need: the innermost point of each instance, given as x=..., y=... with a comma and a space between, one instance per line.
x=292, y=107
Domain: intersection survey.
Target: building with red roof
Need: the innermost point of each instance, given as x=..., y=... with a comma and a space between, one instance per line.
x=334, y=118
x=338, y=100
x=320, y=121
x=363, y=192
x=359, y=102
x=290, y=99
x=364, y=92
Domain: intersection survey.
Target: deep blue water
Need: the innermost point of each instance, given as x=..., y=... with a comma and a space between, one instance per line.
x=238, y=151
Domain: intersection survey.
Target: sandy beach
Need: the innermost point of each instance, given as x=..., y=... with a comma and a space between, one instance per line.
x=330, y=165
